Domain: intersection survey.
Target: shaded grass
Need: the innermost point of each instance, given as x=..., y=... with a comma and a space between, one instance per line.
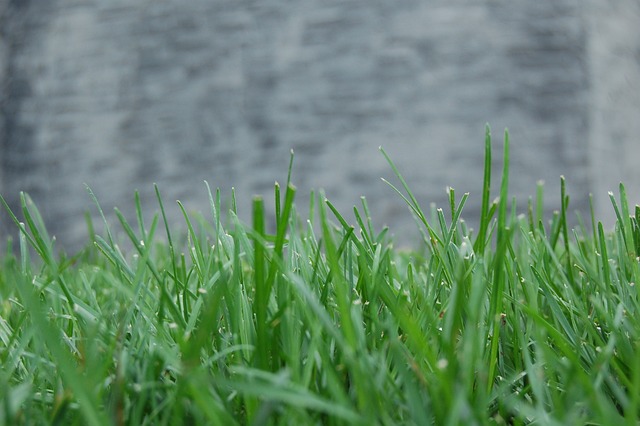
x=323, y=322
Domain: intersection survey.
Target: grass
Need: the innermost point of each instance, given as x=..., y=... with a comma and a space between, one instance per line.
x=322, y=322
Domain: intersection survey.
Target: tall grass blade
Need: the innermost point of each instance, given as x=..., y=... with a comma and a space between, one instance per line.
x=498, y=284
x=481, y=239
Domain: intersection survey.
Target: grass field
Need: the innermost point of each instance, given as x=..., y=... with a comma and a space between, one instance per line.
x=522, y=321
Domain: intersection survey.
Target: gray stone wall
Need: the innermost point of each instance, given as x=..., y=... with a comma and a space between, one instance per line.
x=121, y=94
x=614, y=114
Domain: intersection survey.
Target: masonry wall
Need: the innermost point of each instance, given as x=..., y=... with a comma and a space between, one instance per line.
x=614, y=115
x=119, y=95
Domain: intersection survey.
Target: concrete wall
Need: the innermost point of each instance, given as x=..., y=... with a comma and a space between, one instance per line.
x=614, y=114
x=120, y=94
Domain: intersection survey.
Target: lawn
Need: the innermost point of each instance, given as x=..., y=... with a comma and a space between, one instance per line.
x=522, y=321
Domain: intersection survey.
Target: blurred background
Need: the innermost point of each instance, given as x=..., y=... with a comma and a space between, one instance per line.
x=119, y=94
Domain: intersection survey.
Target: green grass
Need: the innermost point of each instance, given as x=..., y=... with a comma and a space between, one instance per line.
x=525, y=321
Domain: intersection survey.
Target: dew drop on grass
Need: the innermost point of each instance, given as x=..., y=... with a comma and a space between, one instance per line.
x=442, y=364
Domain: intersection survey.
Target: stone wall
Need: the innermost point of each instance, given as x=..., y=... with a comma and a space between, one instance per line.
x=119, y=94
x=614, y=114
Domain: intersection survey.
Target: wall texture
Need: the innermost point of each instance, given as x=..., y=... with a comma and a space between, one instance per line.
x=120, y=94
